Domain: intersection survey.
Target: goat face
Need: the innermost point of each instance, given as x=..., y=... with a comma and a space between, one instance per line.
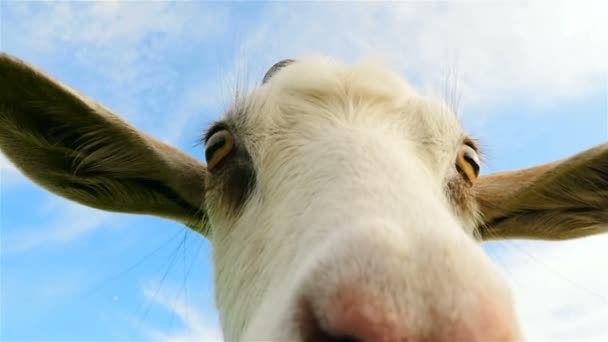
x=345, y=209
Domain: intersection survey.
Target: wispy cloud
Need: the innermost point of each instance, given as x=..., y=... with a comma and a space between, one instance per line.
x=526, y=52
x=67, y=222
x=560, y=289
x=493, y=53
x=532, y=52
x=198, y=326
x=128, y=49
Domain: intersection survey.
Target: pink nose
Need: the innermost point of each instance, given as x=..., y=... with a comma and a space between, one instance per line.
x=350, y=317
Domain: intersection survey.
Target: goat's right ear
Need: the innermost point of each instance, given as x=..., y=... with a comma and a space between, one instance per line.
x=561, y=200
x=78, y=149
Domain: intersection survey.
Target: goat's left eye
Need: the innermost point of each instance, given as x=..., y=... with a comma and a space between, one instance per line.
x=468, y=163
x=217, y=147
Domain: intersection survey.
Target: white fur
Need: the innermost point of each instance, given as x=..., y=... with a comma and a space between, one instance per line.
x=351, y=166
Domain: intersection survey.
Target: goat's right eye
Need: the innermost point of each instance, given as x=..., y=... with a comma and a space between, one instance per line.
x=467, y=163
x=218, y=146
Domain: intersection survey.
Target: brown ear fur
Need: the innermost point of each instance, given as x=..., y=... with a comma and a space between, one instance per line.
x=560, y=200
x=78, y=149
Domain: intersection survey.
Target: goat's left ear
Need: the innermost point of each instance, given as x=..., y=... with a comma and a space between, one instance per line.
x=555, y=201
x=80, y=150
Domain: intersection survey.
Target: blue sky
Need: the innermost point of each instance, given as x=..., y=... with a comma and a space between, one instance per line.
x=531, y=83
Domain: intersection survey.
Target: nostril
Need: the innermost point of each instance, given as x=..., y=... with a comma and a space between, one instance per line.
x=311, y=330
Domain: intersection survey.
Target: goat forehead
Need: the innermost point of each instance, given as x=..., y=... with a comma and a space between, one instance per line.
x=315, y=94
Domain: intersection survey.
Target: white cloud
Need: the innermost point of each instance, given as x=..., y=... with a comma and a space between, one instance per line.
x=560, y=288
x=500, y=53
x=128, y=49
x=532, y=52
x=198, y=326
x=67, y=221
x=493, y=53
x=111, y=31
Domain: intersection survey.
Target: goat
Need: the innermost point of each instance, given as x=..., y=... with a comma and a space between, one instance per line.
x=341, y=205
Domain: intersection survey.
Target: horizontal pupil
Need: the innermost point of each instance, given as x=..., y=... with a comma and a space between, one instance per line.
x=211, y=149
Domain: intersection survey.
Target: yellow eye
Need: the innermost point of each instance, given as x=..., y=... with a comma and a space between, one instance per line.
x=217, y=147
x=467, y=163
